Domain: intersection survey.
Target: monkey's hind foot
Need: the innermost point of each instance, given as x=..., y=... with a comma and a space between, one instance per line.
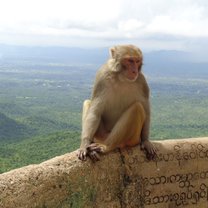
x=149, y=149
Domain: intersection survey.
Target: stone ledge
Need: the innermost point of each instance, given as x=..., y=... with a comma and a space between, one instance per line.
x=123, y=178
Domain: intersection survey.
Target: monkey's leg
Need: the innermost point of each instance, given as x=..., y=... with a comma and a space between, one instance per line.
x=126, y=131
x=101, y=133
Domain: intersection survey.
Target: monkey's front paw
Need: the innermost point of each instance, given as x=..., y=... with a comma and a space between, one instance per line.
x=150, y=150
x=99, y=148
x=94, y=150
x=82, y=154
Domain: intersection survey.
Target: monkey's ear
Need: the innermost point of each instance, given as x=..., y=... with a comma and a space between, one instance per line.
x=113, y=52
x=140, y=53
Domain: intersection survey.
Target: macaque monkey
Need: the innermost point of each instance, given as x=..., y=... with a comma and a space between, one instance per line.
x=118, y=114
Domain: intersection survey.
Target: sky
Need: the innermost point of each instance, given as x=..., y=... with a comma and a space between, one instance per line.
x=150, y=24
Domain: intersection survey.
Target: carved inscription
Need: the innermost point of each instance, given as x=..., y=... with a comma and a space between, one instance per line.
x=178, y=177
x=196, y=151
x=189, y=192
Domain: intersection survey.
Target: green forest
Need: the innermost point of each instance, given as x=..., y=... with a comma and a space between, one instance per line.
x=40, y=109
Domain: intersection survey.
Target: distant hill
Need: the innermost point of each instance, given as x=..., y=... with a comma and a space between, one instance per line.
x=83, y=55
x=156, y=63
x=174, y=63
x=10, y=129
x=60, y=54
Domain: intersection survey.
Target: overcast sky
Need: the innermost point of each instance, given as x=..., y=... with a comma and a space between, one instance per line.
x=151, y=24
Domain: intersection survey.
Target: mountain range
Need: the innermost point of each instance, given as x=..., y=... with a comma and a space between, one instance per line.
x=160, y=63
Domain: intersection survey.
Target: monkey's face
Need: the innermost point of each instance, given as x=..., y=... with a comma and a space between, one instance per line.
x=131, y=66
x=129, y=59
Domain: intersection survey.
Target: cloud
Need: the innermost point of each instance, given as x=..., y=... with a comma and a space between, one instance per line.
x=130, y=25
x=97, y=23
x=189, y=23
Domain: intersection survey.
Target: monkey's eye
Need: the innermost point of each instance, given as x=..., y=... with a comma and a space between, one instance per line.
x=130, y=60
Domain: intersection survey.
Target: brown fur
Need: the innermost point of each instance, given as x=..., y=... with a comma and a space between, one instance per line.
x=118, y=113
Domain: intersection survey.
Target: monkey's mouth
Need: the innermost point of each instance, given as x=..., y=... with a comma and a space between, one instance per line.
x=132, y=74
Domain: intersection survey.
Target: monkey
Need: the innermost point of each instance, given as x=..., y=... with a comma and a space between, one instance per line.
x=118, y=113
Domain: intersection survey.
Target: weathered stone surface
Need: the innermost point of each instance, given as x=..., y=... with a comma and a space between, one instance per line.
x=122, y=179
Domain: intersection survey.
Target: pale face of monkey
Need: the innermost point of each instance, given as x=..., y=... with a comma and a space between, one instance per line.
x=131, y=66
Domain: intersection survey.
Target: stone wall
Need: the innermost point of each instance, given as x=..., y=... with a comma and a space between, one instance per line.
x=122, y=179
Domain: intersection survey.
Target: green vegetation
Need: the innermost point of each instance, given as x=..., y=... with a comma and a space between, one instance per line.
x=40, y=109
x=179, y=108
x=37, y=149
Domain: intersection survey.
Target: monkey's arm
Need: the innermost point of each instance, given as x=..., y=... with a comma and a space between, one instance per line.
x=90, y=126
x=146, y=126
x=91, y=122
x=146, y=105
x=145, y=143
